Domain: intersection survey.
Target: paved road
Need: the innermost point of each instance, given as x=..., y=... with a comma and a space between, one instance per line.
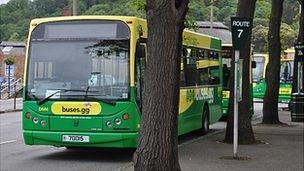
x=9, y=104
x=15, y=155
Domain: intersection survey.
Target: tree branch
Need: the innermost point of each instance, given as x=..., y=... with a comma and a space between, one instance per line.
x=182, y=8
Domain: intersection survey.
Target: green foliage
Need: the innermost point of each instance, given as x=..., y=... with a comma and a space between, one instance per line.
x=197, y=10
x=9, y=61
x=16, y=15
x=288, y=36
x=289, y=26
x=262, y=9
x=260, y=32
x=100, y=9
x=259, y=37
x=14, y=37
x=260, y=21
x=191, y=23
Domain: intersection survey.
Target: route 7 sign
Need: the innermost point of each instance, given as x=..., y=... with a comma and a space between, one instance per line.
x=241, y=31
x=299, y=49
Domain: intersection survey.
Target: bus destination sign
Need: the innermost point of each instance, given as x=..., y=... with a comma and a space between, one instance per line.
x=241, y=31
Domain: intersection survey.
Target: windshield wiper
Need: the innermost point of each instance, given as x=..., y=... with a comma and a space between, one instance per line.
x=41, y=101
x=86, y=91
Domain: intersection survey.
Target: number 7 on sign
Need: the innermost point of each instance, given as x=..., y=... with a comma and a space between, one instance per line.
x=240, y=32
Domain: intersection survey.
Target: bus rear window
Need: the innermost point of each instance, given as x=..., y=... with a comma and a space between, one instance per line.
x=82, y=30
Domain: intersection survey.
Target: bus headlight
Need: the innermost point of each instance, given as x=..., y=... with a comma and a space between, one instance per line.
x=28, y=115
x=43, y=123
x=35, y=120
x=117, y=121
x=125, y=116
x=109, y=124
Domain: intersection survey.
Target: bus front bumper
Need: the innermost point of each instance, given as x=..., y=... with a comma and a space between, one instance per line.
x=116, y=140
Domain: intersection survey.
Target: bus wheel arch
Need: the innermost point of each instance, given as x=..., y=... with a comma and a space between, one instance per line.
x=205, y=119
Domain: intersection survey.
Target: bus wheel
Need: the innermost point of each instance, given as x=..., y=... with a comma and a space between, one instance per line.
x=205, y=121
x=73, y=148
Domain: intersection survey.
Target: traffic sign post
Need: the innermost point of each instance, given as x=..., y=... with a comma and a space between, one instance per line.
x=299, y=50
x=241, y=31
x=297, y=98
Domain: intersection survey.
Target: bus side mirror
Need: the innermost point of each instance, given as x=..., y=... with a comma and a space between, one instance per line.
x=141, y=51
x=253, y=64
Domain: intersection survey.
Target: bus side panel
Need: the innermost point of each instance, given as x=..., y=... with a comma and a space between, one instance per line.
x=215, y=108
x=190, y=111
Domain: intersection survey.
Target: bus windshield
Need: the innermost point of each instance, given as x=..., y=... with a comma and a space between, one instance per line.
x=258, y=72
x=286, y=71
x=79, y=65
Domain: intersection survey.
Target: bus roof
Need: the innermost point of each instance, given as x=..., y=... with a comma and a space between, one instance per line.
x=98, y=17
x=83, y=17
x=209, y=41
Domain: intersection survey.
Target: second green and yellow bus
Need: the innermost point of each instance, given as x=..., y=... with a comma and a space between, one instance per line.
x=227, y=55
x=286, y=76
x=84, y=78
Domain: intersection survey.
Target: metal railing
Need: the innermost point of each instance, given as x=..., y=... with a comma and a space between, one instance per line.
x=8, y=92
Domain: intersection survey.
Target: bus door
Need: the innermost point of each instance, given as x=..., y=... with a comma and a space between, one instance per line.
x=226, y=62
x=286, y=76
x=140, y=67
x=286, y=71
x=259, y=70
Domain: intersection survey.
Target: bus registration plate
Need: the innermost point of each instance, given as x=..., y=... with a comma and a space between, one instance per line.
x=75, y=138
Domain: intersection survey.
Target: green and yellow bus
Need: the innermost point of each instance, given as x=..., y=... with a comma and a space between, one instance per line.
x=286, y=76
x=227, y=52
x=84, y=77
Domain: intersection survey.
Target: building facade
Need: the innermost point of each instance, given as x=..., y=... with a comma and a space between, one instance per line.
x=15, y=51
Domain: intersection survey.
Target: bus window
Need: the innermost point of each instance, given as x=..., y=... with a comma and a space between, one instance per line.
x=214, y=71
x=226, y=62
x=183, y=67
x=140, y=63
x=215, y=55
x=286, y=72
x=258, y=71
x=206, y=54
x=203, y=76
x=200, y=54
x=190, y=67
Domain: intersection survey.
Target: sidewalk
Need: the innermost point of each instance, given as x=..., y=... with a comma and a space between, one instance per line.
x=283, y=150
x=8, y=105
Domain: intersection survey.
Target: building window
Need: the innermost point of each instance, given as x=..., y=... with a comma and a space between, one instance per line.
x=9, y=70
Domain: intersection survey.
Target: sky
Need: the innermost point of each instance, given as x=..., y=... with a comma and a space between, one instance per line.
x=3, y=1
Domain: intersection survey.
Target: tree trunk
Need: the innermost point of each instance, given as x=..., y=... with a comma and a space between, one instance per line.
x=157, y=148
x=270, y=105
x=300, y=39
x=245, y=9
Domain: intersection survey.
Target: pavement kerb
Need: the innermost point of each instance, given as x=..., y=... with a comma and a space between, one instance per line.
x=10, y=111
x=130, y=166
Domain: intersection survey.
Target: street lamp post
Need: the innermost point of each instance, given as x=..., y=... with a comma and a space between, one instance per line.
x=75, y=7
x=9, y=80
x=9, y=62
x=211, y=17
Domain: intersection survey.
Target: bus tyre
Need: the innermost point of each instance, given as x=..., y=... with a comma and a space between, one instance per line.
x=205, y=121
x=72, y=148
